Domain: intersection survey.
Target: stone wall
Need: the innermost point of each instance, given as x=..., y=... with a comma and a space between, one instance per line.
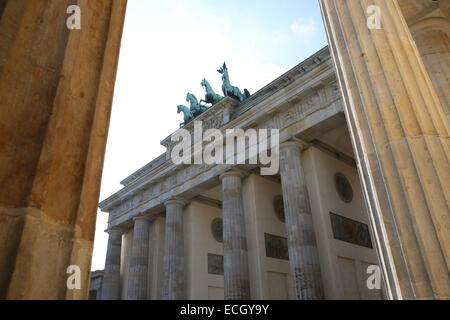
x=343, y=264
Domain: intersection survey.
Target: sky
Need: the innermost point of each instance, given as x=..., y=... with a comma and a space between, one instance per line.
x=169, y=46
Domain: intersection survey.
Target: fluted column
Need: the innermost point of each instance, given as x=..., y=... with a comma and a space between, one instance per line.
x=138, y=272
x=56, y=91
x=303, y=254
x=400, y=138
x=173, y=282
x=111, y=275
x=235, y=256
x=432, y=40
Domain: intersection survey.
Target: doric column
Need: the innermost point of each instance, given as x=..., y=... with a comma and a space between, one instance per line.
x=432, y=40
x=173, y=269
x=56, y=91
x=235, y=256
x=138, y=272
x=400, y=138
x=111, y=275
x=303, y=254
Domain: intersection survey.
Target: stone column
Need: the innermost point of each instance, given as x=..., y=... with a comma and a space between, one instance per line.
x=303, y=254
x=173, y=269
x=137, y=279
x=111, y=275
x=432, y=39
x=56, y=91
x=235, y=256
x=400, y=138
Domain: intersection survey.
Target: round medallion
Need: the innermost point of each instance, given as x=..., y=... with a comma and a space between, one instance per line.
x=217, y=229
x=278, y=206
x=343, y=187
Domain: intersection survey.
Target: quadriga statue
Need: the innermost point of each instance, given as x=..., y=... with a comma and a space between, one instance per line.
x=211, y=96
x=228, y=89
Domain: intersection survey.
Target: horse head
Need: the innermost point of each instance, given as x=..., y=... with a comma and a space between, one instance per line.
x=204, y=82
x=191, y=98
x=179, y=108
x=222, y=69
x=224, y=72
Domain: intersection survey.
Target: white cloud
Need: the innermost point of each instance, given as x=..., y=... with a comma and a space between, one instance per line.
x=303, y=27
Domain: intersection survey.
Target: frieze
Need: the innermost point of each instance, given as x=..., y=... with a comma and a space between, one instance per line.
x=288, y=117
x=277, y=121
x=276, y=247
x=285, y=80
x=182, y=174
x=215, y=264
x=350, y=231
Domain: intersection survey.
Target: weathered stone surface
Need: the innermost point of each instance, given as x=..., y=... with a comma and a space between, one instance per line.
x=95, y=285
x=400, y=137
x=56, y=89
x=276, y=247
x=138, y=272
x=302, y=246
x=236, y=272
x=215, y=264
x=350, y=231
x=111, y=276
x=432, y=39
x=173, y=269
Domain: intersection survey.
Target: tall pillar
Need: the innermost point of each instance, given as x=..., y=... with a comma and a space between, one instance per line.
x=235, y=256
x=138, y=272
x=400, y=137
x=56, y=91
x=173, y=269
x=111, y=275
x=303, y=254
x=432, y=40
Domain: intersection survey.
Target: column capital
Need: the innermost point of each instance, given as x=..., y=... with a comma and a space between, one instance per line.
x=141, y=217
x=299, y=144
x=176, y=200
x=115, y=229
x=233, y=172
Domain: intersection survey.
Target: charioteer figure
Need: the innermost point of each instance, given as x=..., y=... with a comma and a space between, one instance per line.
x=197, y=108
